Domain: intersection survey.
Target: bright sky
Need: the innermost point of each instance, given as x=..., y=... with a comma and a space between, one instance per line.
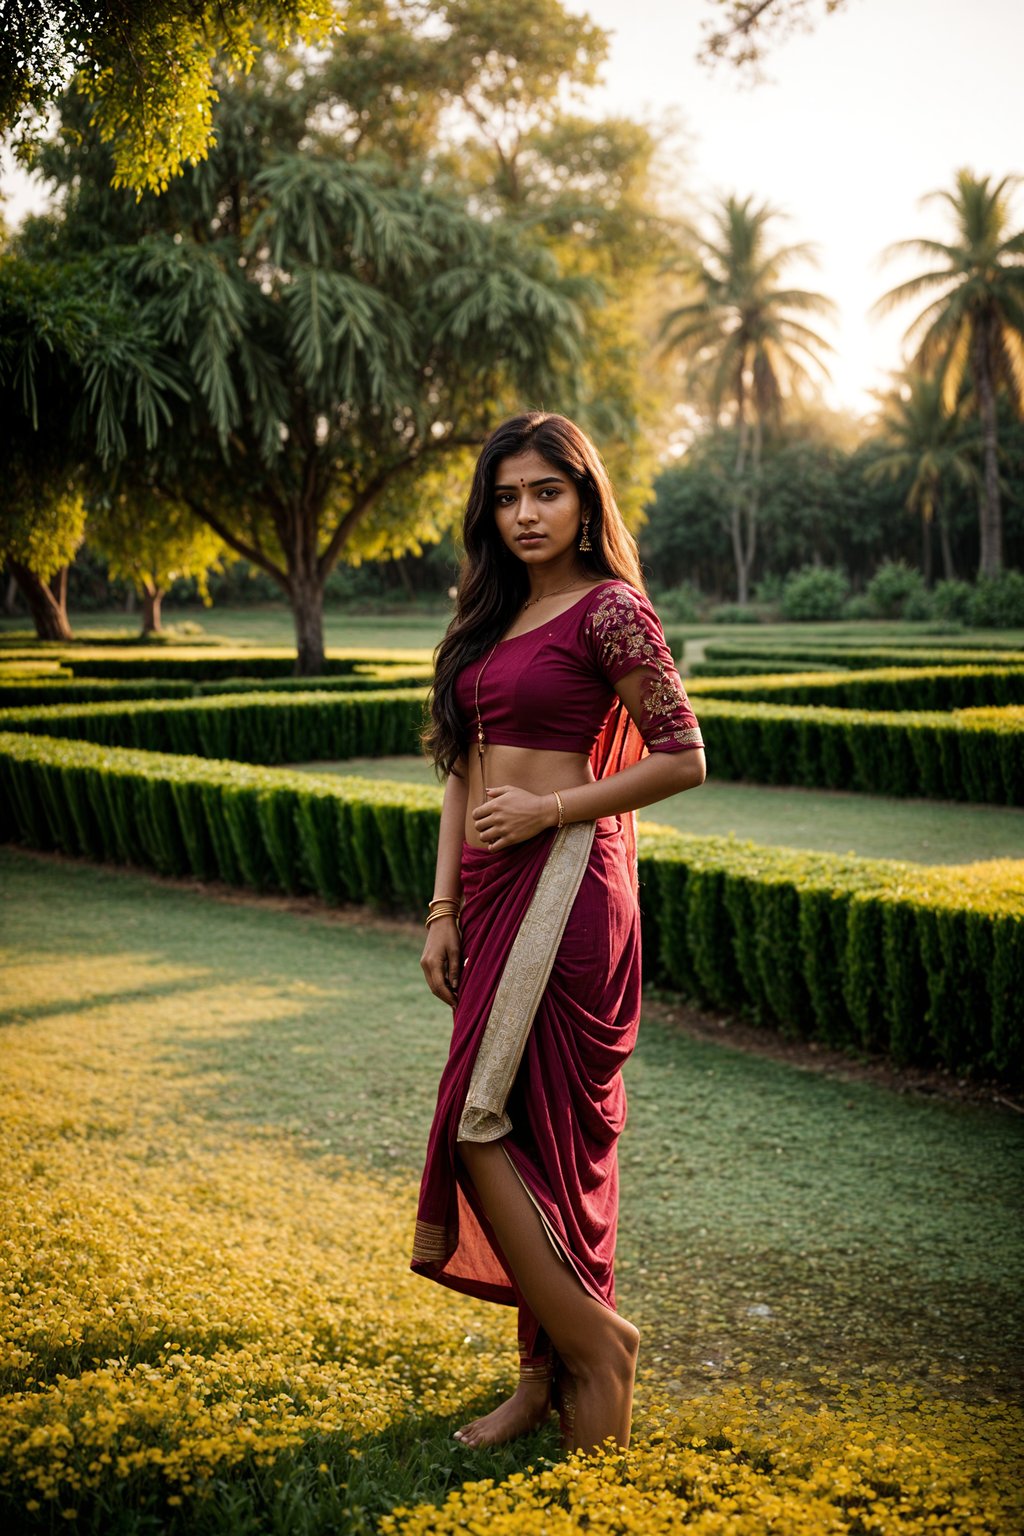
x=880, y=104
x=883, y=102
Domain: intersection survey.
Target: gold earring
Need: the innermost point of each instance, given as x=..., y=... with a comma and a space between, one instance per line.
x=585, y=544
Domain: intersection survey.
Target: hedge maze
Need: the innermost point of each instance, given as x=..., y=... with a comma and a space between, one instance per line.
x=924, y=963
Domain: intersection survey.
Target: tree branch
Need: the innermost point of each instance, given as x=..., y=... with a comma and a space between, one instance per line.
x=250, y=552
x=365, y=498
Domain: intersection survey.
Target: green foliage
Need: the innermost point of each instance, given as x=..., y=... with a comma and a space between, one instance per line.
x=814, y=593
x=951, y=601
x=248, y=728
x=957, y=756
x=679, y=605
x=997, y=602
x=269, y=829
x=893, y=586
x=820, y=653
x=972, y=326
x=147, y=69
x=149, y=539
x=876, y=953
x=886, y=688
x=42, y=519
x=734, y=613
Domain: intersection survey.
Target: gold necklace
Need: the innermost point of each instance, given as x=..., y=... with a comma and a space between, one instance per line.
x=479, y=723
x=556, y=593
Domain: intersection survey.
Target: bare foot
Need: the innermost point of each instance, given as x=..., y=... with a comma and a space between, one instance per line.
x=522, y=1413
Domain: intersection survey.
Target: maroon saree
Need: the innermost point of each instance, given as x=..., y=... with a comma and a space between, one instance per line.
x=543, y=1026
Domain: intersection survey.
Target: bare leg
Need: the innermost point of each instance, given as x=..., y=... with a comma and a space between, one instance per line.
x=597, y=1345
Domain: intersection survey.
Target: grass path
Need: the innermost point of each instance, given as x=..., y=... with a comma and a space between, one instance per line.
x=769, y=1214
x=921, y=831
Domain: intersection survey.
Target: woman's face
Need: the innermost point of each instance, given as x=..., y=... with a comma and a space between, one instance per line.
x=536, y=508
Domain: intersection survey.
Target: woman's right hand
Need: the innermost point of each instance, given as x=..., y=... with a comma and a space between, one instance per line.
x=442, y=958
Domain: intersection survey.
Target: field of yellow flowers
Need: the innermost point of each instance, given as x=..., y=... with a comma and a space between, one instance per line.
x=208, y=1324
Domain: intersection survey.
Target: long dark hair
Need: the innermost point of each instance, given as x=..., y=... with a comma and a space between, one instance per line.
x=493, y=584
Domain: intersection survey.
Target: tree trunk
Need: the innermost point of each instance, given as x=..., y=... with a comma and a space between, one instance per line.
x=740, y=555
x=151, y=600
x=307, y=597
x=49, y=616
x=753, y=505
x=926, y=550
x=948, y=568
x=989, y=509
x=11, y=595
x=59, y=588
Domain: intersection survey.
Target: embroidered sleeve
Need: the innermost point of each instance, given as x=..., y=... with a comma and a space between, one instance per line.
x=625, y=634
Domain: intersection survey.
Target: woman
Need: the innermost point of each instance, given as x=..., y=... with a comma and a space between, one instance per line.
x=551, y=681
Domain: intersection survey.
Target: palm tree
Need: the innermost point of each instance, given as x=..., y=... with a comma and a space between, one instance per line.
x=974, y=323
x=920, y=439
x=743, y=345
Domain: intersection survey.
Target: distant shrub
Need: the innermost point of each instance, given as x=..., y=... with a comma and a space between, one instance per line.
x=919, y=606
x=769, y=589
x=858, y=607
x=951, y=601
x=892, y=587
x=997, y=602
x=680, y=605
x=814, y=593
x=734, y=613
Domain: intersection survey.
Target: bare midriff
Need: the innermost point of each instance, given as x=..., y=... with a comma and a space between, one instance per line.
x=537, y=771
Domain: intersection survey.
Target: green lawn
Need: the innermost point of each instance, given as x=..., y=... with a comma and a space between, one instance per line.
x=271, y=624
x=769, y=1214
x=265, y=625
x=921, y=831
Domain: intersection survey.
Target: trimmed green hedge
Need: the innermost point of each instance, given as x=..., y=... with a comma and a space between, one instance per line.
x=824, y=655
x=851, y=951
x=16, y=693
x=957, y=756
x=198, y=662
x=918, y=962
x=249, y=728
x=270, y=829
x=892, y=688
x=743, y=666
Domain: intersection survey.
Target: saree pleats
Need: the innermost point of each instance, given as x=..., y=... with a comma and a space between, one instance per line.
x=567, y=1103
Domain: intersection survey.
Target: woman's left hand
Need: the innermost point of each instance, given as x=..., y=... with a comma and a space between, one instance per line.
x=510, y=815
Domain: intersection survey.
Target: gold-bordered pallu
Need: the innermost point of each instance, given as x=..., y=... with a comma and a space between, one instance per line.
x=526, y=974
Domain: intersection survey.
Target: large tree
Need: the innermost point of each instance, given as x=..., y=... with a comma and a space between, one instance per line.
x=336, y=326
x=973, y=325
x=147, y=70
x=744, y=349
x=347, y=314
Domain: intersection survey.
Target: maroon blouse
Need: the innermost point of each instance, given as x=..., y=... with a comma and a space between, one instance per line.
x=553, y=687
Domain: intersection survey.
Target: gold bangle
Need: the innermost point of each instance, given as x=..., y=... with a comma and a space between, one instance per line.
x=561, y=810
x=432, y=917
